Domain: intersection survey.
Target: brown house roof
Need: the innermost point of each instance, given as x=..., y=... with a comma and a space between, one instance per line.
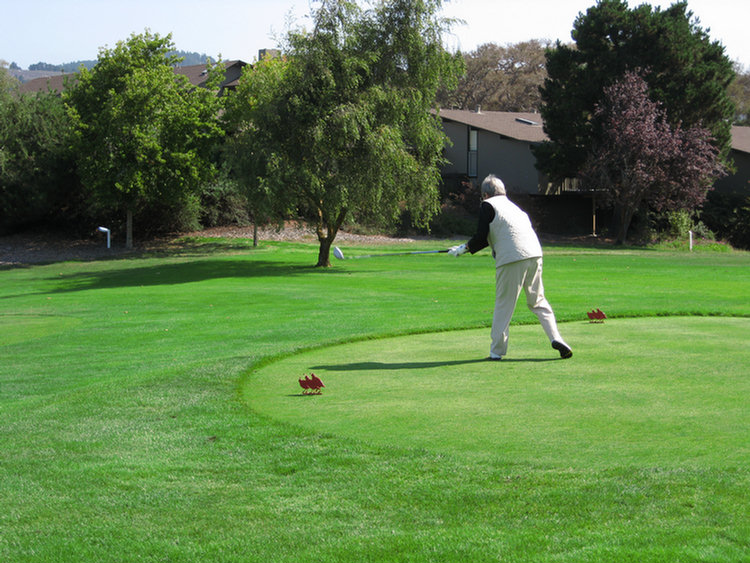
x=196, y=74
x=528, y=126
x=55, y=83
x=741, y=138
x=515, y=125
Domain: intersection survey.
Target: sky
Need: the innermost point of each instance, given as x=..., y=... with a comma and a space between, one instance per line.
x=61, y=31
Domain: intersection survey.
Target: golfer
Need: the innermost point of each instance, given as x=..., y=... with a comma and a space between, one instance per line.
x=518, y=265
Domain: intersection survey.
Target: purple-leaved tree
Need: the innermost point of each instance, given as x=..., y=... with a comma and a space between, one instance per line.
x=639, y=158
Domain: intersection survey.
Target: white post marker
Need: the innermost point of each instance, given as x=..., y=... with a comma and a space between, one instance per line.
x=104, y=230
x=691, y=240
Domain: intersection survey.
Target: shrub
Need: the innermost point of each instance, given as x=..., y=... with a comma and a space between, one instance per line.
x=222, y=204
x=728, y=215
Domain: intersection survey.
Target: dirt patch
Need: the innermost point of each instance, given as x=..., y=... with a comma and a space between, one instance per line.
x=42, y=248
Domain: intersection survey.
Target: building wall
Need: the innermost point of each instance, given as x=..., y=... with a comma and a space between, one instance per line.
x=456, y=154
x=510, y=160
x=740, y=180
x=232, y=73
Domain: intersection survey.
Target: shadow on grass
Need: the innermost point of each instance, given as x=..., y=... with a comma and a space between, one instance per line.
x=365, y=366
x=179, y=273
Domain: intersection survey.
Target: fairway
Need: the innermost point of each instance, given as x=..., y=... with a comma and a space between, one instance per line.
x=20, y=328
x=663, y=391
x=152, y=412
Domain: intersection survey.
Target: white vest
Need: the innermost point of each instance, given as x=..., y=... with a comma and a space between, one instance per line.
x=511, y=236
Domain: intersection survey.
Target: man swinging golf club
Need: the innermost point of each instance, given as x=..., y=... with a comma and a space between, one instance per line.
x=518, y=265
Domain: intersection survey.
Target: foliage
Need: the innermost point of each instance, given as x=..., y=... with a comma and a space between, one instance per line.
x=501, y=78
x=187, y=58
x=223, y=203
x=459, y=208
x=36, y=163
x=46, y=66
x=182, y=58
x=676, y=226
x=70, y=67
x=639, y=158
x=347, y=126
x=689, y=75
x=728, y=215
x=739, y=92
x=250, y=120
x=144, y=133
x=680, y=223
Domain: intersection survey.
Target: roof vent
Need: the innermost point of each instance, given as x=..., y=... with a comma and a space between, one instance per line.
x=526, y=121
x=479, y=109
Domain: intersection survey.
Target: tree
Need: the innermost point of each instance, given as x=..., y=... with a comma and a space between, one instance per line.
x=144, y=133
x=639, y=157
x=35, y=158
x=348, y=132
x=501, y=78
x=739, y=91
x=689, y=74
x=248, y=155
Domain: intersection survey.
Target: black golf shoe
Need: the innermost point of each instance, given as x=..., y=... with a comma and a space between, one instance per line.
x=564, y=349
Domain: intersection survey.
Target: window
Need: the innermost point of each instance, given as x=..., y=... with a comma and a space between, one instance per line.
x=473, y=153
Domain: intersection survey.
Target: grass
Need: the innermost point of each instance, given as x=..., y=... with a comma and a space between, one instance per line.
x=142, y=421
x=676, y=398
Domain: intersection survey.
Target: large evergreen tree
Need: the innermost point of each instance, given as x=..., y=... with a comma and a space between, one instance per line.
x=687, y=72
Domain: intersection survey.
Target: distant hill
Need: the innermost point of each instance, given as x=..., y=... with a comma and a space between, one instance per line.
x=63, y=68
x=192, y=58
x=26, y=75
x=42, y=69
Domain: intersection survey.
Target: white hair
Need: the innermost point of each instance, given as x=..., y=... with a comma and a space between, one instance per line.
x=492, y=186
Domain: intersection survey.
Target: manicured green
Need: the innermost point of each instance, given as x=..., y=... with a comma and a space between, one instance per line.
x=676, y=397
x=135, y=429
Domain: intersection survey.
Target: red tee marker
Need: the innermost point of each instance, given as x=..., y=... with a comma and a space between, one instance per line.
x=596, y=316
x=311, y=384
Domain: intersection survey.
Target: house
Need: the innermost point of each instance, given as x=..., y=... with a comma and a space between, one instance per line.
x=55, y=83
x=196, y=74
x=501, y=143
x=495, y=142
x=740, y=154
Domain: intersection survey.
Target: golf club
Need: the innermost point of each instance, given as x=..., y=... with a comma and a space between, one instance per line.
x=340, y=255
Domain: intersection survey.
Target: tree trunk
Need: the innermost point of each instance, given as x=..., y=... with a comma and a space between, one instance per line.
x=129, y=229
x=326, y=235
x=324, y=253
x=626, y=216
x=255, y=233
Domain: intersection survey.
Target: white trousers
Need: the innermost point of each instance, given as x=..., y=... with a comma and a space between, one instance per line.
x=510, y=279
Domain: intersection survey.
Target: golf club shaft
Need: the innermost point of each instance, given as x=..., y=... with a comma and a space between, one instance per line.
x=399, y=253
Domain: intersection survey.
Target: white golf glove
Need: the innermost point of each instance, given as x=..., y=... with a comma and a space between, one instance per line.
x=458, y=250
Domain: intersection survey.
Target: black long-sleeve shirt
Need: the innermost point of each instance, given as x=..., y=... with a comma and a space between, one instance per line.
x=479, y=240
